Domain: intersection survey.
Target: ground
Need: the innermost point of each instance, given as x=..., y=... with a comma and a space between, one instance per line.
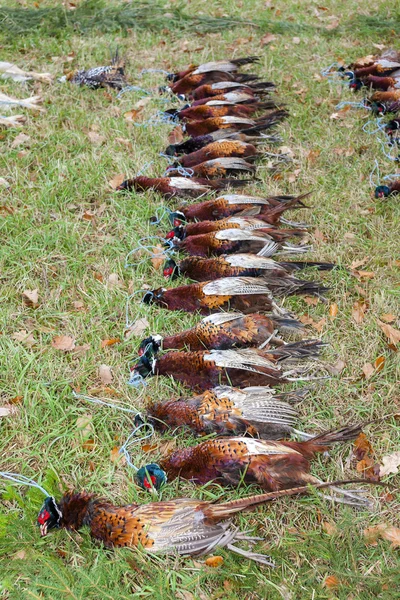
x=66, y=233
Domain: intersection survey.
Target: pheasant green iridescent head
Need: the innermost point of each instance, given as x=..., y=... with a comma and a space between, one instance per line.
x=49, y=516
x=151, y=476
x=382, y=191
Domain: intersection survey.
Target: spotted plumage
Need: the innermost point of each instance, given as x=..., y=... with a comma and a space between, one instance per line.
x=112, y=75
x=217, y=149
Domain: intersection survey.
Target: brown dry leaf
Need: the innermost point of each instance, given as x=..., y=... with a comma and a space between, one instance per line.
x=368, y=370
x=16, y=400
x=63, y=342
x=26, y=338
x=31, y=298
x=78, y=305
x=137, y=328
x=391, y=464
x=361, y=446
x=158, y=257
x=4, y=183
x=309, y=321
x=88, y=215
x=359, y=263
x=358, y=311
x=333, y=311
x=110, y=342
x=95, y=138
x=124, y=142
x=329, y=528
x=386, y=532
x=20, y=139
x=286, y=150
x=115, y=455
x=341, y=114
x=116, y=181
x=105, y=374
x=89, y=445
x=80, y=350
x=333, y=24
x=391, y=333
x=214, y=561
x=6, y=411
x=388, y=318
x=319, y=236
x=331, y=582
x=363, y=274
x=176, y=135
x=20, y=555
x=98, y=276
x=132, y=115
x=267, y=39
x=296, y=40
x=84, y=425
x=311, y=300
x=149, y=447
x=379, y=363
x=337, y=368
x=312, y=155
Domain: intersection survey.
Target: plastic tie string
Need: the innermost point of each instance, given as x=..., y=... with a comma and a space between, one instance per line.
x=181, y=171
x=353, y=105
x=132, y=439
x=164, y=211
x=148, y=249
x=94, y=400
x=133, y=88
x=22, y=480
x=372, y=174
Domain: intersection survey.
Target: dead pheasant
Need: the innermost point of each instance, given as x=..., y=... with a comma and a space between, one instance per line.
x=255, y=411
x=205, y=369
x=199, y=268
x=224, y=87
x=226, y=66
x=250, y=223
x=109, y=76
x=219, y=108
x=183, y=526
x=197, y=128
x=233, y=97
x=218, y=149
x=217, y=168
x=383, y=191
x=182, y=187
x=190, y=82
x=222, y=331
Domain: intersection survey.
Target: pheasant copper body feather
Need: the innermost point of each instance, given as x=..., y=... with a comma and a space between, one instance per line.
x=184, y=526
x=199, y=268
x=222, y=331
x=227, y=66
x=196, y=128
x=245, y=294
x=194, y=80
x=182, y=187
x=218, y=149
x=223, y=87
x=254, y=411
x=240, y=368
x=235, y=222
x=221, y=108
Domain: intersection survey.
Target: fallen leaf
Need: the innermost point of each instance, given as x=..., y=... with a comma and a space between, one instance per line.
x=333, y=311
x=88, y=215
x=105, y=374
x=329, y=528
x=331, y=582
x=336, y=368
x=312, y=155
x=114, y=280
x=391, y=333
x=63, y=342
x=98, y=276
x=31, y=298
x=311, y=300
x=137, y=328
x=386, y=532
x=20, y=555
x=379, y=363
x=116, y=181
x=84, y=425
x=333, y=25
x=358, y=311
x=267, y=39
x=89, y=445
x=361, y=446
x=309, y=321
x=379, y=46
x=341, y=114
x=20, y=139
x=110, y=342
x=115, y=455
x=390, y=464
x=286, y=150
x=359, y=263
x=319, y=236
x=126, y=142
x=78, y=305
x=214, y=561
x=296, y=40
x=16, y=400
x=95, y=138
x=132, y=115
x=368, y=370
x=363, y=274
x=26, y=338
x=388, y=318
x=158, y=256
x=6, y=411
x=149, y=447
x=176, y=135
x=80, y=350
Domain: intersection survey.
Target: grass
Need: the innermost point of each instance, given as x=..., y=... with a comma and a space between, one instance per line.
x=49, y=244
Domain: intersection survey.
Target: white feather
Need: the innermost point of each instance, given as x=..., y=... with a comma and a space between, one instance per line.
x=246, y=359
x=241, y=235
x=236, y=286
x=238, y=199
x=229, y=119
x=251, y=261
x=221, y=318
x=255, y=447
x=186, y=183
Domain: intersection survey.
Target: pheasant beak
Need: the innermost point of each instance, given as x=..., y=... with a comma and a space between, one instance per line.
x=43, y=529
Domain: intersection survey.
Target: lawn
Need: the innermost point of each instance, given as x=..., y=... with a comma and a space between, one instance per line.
x=66, y=233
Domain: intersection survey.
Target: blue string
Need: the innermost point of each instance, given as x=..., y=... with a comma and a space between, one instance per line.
x=130, y=441
x=145, y=167
x=164, y=211
x=143, y=71
x=133, y=88
x=371, y=175
x=393, y=176
x=353, y=104
x=136, y=380
x=170, y=159
x=181, y=171
x=148, y=249
x=21, y=479
x=98, y=401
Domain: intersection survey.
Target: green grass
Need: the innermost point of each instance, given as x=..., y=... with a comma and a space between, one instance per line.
x=46, y=244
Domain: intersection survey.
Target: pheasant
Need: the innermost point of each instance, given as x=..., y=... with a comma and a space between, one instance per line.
x=253, y=134
x=240, y=368
x=234, y=97
x=109, y=76
x=196, y=128
x=245, y=294
x=255, y=411
x=190, y=82
x=235, y=265
x=182, y=187
x=183, y=526
x=390, y=96
x=216, y=169
x=229, y=241
x=268, y=209
x=383, y=191
x=227, y=66
x=380, y=108
x=219, y=108
x=273, y=465
x=218, y=149
x=222, y=331
x=249, y=223
x=223, y=87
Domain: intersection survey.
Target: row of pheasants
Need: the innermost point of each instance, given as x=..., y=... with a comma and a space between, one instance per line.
x=228, y=242
x=380, y=74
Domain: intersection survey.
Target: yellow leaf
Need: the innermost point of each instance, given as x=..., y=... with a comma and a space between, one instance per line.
x=158, y=257
x=110, y=342
x=116, y=181
x=390, y=332
x=214, y=561
x=333, y=311
x=331, y=582
x=63, y=342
